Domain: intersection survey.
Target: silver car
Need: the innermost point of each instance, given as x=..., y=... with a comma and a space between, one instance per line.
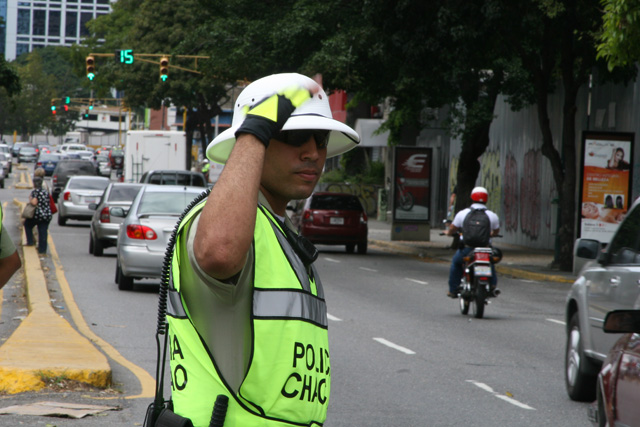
x=145, y=232
x=104, y=226
x=7, y=159
x=77, y=195
x=608, y=281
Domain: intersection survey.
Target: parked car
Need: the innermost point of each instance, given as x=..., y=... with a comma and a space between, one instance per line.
x=102, y=164
x=116, y=157
x=104, y=226
x=4, y=148
x=174, y=177
x=145, y=232
x=609, y=281
x=6, y=163
x=48, y=162
x=77, y=195
x=618, y=384
x=3, y=173
x=334, y=219
x=27, y=153
x=66, y=168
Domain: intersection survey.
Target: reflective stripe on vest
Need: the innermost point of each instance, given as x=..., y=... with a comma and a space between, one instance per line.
x=288, y=378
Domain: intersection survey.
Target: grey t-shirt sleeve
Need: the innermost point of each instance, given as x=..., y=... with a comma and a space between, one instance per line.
x=226, y=290
x=7, y=247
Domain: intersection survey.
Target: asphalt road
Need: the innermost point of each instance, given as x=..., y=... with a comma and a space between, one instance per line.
x=401, y=353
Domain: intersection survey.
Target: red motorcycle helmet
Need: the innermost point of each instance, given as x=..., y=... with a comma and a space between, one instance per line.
x=479, y=195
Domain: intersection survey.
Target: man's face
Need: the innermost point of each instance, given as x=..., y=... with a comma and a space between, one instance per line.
x=291, y=172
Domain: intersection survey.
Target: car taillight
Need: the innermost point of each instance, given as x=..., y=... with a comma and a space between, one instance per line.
x=482, y=256
x=141, y=232
x=363, y=218
x=307, y=216
x=38, y=164
x=104, y=215
x=66, y=196
x=54, y=179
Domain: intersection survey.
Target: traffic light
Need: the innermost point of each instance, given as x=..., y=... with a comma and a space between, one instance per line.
x=91, y=67
x=164, y=68
x=53, y=107
x=67, y=100
x=91, y=104
x=66, y=107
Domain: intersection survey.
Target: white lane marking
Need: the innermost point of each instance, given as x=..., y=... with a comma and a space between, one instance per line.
x=334, y=318
x=416, y=281
x=368, y=269
x=331, y=260
x=394, y=346
x=560, y=322
x=508, y=399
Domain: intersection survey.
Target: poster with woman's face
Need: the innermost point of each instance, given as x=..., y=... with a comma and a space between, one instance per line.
x=605, y=186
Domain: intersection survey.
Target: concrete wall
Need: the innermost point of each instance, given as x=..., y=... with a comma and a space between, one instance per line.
x=519, y=178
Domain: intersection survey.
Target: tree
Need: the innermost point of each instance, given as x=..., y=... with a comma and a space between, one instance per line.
x=619, y=41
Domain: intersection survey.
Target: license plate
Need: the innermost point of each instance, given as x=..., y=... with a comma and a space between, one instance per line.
x=91, y=199
x=336, y=220
x=49, y=165
x=482, y=270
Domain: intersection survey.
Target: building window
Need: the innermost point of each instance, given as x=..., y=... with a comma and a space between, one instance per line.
x=71, y=26
x=39, y=22
x=54, y=23
x=24, y=21
x=84, y=18
x=21, y=48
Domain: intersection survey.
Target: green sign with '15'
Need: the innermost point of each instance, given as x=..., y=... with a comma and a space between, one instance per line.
x=124, y=56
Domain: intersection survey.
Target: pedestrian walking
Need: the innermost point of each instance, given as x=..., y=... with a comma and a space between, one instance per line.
x=39, y=197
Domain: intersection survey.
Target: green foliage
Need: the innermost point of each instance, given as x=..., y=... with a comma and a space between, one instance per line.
x=620, y=36
x=373, y=174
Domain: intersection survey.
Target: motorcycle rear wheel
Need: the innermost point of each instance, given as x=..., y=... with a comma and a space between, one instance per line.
x=479, y=301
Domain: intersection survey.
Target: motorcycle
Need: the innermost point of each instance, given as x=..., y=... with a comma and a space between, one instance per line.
x=475, y=288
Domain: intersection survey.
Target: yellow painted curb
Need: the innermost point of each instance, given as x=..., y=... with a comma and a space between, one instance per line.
x=45, y=344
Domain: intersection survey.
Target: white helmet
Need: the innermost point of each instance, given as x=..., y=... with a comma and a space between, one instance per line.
x=313, y=114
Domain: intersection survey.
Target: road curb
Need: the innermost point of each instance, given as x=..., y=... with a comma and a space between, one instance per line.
x=45, y=344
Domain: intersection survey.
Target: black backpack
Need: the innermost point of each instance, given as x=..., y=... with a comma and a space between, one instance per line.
x=476, y=229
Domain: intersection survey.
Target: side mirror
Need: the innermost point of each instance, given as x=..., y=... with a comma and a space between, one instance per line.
x=622, y=321
x=585, y=250
x=118, y=212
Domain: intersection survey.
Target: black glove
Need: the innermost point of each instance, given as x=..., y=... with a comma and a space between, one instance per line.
x=267, y=117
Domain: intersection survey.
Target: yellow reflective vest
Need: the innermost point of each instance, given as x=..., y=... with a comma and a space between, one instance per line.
x=288, y=380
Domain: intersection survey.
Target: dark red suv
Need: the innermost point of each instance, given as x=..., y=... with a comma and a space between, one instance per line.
x=335, y=219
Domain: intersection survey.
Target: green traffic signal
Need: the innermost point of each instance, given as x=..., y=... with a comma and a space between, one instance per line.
x=67, y=100
x=91, y=76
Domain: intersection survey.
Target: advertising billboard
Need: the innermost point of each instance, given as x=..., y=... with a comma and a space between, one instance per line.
x=606, y=183
x=412, y=184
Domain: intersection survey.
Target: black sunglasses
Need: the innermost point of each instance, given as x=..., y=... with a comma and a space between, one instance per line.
x=299, y=137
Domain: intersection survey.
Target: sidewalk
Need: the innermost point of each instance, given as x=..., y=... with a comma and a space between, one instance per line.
x=517, y=261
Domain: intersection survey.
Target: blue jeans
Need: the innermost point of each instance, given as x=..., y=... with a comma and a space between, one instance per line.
x=43, y=232
x=455, y=272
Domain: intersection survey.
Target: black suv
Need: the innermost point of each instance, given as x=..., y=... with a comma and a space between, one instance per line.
x=67, y=168
x=174, y=177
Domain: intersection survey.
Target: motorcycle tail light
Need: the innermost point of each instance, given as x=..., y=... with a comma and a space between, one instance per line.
x=104, y=215
x=140, y=232
x=482, y=256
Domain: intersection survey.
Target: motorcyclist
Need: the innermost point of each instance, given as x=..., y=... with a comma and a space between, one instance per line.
x=479, y=196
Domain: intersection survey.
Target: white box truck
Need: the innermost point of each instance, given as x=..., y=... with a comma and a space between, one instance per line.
x=146, y=150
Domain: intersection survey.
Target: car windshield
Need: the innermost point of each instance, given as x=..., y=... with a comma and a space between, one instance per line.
x=123, y=194
x=27, y=150
x=164, y=203
x=47, y=157
x=348, y=203
x=88, y=184
x=102, y=158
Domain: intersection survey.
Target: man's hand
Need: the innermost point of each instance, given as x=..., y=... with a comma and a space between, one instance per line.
x=268, y=116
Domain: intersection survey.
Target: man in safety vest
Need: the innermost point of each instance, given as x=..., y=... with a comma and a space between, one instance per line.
x=246, y=310
x=9, y=259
